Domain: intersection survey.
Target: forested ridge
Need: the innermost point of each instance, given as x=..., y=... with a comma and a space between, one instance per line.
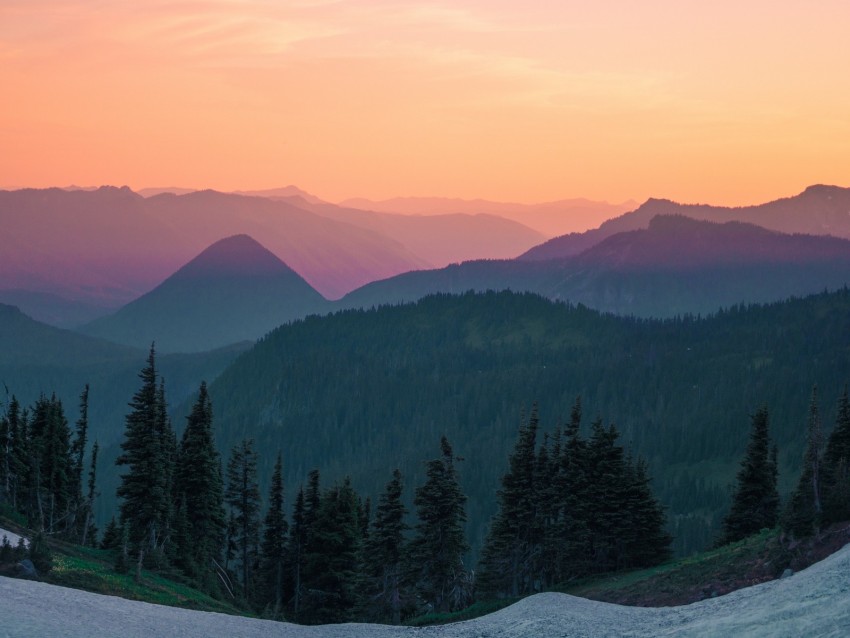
x=570, y=497
x=361, y=392
x=588, y=504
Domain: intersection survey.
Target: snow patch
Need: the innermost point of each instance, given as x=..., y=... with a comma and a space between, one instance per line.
x=814, y=602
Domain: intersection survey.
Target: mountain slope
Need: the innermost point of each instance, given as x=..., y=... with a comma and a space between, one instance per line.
x=677, y=265
x=359, y=393
x=235, y=290
x=39, y=359
x=819, y=210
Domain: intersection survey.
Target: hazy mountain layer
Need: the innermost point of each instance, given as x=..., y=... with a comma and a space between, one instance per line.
x=235, y=290
x=442, y=239
x=550, y=218
x=819, y=210
x=112, y=243
x=107, y=246
x=677, y=265
x=36, y=358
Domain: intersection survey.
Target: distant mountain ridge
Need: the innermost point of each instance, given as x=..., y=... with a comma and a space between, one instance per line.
x=105, y=247
x=235, y=290
x=676, y=265
x=818, y=210
x=550, y=218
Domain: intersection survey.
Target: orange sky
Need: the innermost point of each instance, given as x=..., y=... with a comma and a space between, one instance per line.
x=723, y=102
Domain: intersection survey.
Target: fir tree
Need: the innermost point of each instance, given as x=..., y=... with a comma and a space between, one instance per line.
x=295, y=551
x=384, y=556
x=510, y=560
x=17, y=458
x=273, y=562
x=112, y=535
x=439, y=545
x=199, y=484
x=78, y=451
x=51, y=482
x=755, y=502
x=89, y=528
x=5, y=460
x=836, y=466
x=607, y=496
x=332, y=565
x=646, y=541
x=143, y=491
x=803, y=514
x=243, y=497
x=167, y=441
x=573, y=501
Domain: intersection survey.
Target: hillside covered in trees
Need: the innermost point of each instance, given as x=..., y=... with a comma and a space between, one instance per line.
x=362, y=392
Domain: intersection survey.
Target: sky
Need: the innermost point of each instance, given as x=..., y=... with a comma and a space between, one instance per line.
x=725, y=102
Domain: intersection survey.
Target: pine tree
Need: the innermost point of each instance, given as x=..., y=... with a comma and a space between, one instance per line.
x=573, y=502
x=5, y=460
x=17, y=458
x=836, y=467
x=646, y=541
x=510, y=559
x=111, y=535
x=439, y=544
x=384, y=556
x=295, y=551
x=145, y=501
x=803, y=514
x=608, y=496
x=199, y=484
x=51, y=485
x=755, y=502
x=89, y=527
x=167, y=441
x=332, y=565
x=243, y=497
x=78, y=451
x=273, y=562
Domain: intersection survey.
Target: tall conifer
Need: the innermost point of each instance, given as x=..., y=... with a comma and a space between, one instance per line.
x=511, y=553
x=273, y=562
x=199, y=485
x=141, y=491
x=243, y=497
x=439, y=544
x=803, y=513
x=755, y=502
x=385, y=591
x=836, y=466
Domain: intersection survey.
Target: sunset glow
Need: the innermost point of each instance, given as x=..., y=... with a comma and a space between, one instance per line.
x=727, y=102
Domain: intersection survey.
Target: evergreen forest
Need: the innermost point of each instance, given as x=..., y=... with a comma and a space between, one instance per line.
x=572, y=497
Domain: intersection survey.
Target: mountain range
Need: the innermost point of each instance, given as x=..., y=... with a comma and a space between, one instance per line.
x=550, y=218
x=104, y=247
x=71, y=256
x=677, y=265
x=818, y=210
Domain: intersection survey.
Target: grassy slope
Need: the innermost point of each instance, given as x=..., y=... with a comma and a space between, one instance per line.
x=754, y=560
x=92, y=570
